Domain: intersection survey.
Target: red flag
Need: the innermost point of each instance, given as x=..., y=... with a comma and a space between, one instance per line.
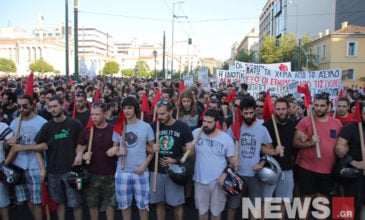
x=236, y=126
x=70, y=81
x=46, y=200
x=181, y=88
x=118, y=127
x=219, y=126
x=307, y=94
x=340, y=94
x=156, y=99
x=90, y=124
x=145, y=105
x=268, y=109
x=357, y=115
x=96, y=97
x=29, y=85
x=74, y=110
x=230, y=97
x=205, y=110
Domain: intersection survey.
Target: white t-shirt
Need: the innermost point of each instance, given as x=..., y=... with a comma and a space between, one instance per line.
x=137, y=136
x=5, y=134
x=211, y=156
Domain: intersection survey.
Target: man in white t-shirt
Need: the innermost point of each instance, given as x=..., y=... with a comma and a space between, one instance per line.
x=212, y=150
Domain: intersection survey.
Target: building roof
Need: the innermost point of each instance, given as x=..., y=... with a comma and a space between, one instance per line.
x=350, y=29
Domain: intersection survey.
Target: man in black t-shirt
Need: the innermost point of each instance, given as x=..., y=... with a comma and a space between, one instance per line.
x=348, y=143
x=60, y=135
x=82, y=113
x=174, y=137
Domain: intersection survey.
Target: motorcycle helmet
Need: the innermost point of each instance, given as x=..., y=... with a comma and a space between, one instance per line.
x=271, y=171
x=77, y=177
x=233, y=184
x=344, y=171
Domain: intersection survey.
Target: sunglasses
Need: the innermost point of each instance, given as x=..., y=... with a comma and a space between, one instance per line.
x=214, y=101
x=164, y=102
x=98, y=104
x=24, y=106
x=259, y=106
x=78, y=94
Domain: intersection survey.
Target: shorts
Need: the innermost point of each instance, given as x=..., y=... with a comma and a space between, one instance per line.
x=256, y=189
x=59, y=190
x=167, y=191
x=209, y=197
x=31, y=189
x=100, y=188
x=129, y=185
x=311, y=183
x=4, y=195
x=285, y=185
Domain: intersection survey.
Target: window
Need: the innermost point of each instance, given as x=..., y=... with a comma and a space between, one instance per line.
x=350, y=74
x=317, y=54
x=351, y=49
x=323, y=50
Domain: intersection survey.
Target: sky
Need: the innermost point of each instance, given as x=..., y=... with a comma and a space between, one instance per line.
x=213, y=25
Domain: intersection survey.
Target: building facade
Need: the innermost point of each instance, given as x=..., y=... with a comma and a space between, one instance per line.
x=344, y=49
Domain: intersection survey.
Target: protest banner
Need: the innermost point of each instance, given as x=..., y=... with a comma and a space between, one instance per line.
x=188, y=81
x=256, y=67
x=203, y=75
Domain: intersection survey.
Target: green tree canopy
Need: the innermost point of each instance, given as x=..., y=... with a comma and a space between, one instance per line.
x=110, y=67
x=243, y=56
x=127, y=72
x=143, y=67
x=7, y=65
x=41, y=66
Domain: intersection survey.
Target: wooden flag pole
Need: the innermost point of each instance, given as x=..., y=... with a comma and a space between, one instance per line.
x=276, y=131
x=91, y=137
x=186, y=154
x=123, y=145
x=314, y=130
x=156, y=157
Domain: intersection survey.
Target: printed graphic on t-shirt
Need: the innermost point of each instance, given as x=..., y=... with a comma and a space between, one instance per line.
x=131, y=139
x=166, y=143
x=216, y=147
x=248, y=143
x=63, y=134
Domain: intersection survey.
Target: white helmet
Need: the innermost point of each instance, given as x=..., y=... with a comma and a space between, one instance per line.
x=271, y=171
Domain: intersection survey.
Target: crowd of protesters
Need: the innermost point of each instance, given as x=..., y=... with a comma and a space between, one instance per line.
x=48, y=133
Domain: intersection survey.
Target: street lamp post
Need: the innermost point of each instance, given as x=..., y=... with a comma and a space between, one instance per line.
x=172, y=30
x=155, y=55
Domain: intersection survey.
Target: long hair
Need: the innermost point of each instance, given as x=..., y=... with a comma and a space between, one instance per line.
x=187, y=93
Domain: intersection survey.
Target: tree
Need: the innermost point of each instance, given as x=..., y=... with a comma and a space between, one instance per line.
x=244, y=56
x=143, y=67
x=41, y=66
x=127, y=72
x=7, y=65
x=110, y=67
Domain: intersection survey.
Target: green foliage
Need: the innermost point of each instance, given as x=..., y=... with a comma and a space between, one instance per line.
x=285, y=49
x=41, y=66
x=7, y=65
x=110, y=67
x=225, y=66
x=127, y=72
x=142, y=69
x=243, y=56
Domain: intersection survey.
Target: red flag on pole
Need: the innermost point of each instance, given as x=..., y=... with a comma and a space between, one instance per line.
x=340, y=94
x=181, y=88
x=46, y=200
x=268, y=108
x=74, y=110
x=70, y=81
x=145, y=105
x=236, y=126
x=90, y=124
x=29, y=85
x=156, y=99
x=97, y=93
x=307, y=94
x=118, y=127
x=230, y=97
x=357, y=115
x=205, y=110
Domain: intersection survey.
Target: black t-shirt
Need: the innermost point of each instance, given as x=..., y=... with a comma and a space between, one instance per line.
x=172, y=138
x=83, y=117
x=61, y=139
x=8, y=113
x=45, y=114
x=286, y=133
x=350, y=132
